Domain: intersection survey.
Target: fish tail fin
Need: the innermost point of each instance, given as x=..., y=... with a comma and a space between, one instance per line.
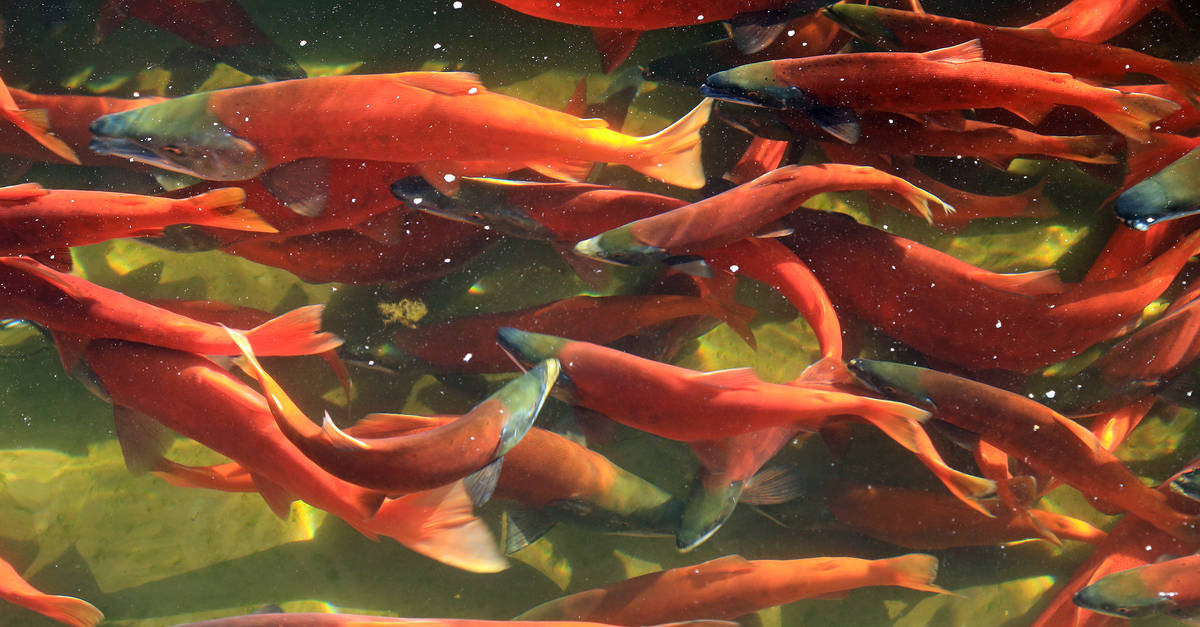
x=1132, y=114
x=64, y=609
x=916, y=571
x=297, y=332
x=222, y=208
x=1086, y=149
x=920, y=200
x=1067, y=527
x=440, y=524
x=672, y=155
x=36, y=122
x=909, y=434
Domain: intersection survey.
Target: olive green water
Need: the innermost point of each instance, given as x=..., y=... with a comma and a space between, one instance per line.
x=148, y=554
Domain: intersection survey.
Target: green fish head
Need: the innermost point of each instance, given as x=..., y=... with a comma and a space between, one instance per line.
x=706, y=509
x=1123, y=594
x=523, y=398
x=899, y=382
x=862, y=22
x=527, y=349
x=620, y=247
x=181, y=135
x=755, y=84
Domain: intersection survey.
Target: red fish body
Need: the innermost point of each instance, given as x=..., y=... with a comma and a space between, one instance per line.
x=733, y=586
x=468, y=344
x=195, y=398
x=926, y=521
x=427, y=247
x=67, y=610
x=965, y=315
x=687, y=405
x=1033, y=433
x=69, y=304
x=35, y=219
x=1097, y=20
x=1014, y=46
x=431, y=118
x=940, y=80
x=740, y=212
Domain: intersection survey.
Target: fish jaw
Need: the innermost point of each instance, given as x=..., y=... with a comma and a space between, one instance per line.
x=620, y=247
x=755, y=84
x=1122, y=594
x=896, y=381
x=181, y=135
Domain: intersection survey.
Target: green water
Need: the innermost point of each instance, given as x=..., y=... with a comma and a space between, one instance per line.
x=148, y=554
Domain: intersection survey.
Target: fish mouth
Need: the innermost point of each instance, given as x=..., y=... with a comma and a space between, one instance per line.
x=130, y=149
x=728, y=95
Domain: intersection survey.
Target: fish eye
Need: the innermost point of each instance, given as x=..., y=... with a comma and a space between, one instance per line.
x=172, y=150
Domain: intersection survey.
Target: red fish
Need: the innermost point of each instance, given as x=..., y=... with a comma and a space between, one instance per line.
x=830, y=86
x=67, y=610
x=414, y=117
x=962, y=314
x=1098, y=20
x=195, y=398
x=33, y=123
x=72, y=305
x=221, y=27
x=426, y=247
x=687, y=405
x=469, y=344
x=1033, y=433
x=1016, y=46
x=742, y=211
x=419, y=461
x=732, y=586
x=35, y=219
x=926, y=521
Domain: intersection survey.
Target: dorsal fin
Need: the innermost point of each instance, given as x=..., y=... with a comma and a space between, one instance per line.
x=730, y=379
x=1026, y=283
x=445, y=83
x=966, y=52
x=24, y=191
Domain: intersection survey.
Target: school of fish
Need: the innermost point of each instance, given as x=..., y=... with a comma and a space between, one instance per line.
x=807, y=134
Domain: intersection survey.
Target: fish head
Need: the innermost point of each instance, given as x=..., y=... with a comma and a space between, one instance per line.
x=522, y=398
x=1124, y=594
x=621, y=247
x=1146, y=204
x=863, y=22
x=707, y=508
x=527, y=349
x=480, y=201
x=900, y=382
x=181, y=135
x=756, y=84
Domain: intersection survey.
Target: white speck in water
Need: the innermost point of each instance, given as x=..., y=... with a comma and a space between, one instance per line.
x=437, y=46
x=734, y=268
x=303, y=42
x=137, y=94
x=449, y=178
x=791, y=33
x=467, y=357
x=473, y=91
x=446, y=260
x=417, y=201
x=1051, y=394
x=999, y=324
x=700, y=18
x=457, y=4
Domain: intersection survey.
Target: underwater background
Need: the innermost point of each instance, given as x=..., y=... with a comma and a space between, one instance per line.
x=76, y=522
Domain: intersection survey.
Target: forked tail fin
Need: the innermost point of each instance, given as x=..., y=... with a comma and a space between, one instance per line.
x=297, y=332
x=1132, y=114
x=672, y=155
x=916, y=571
